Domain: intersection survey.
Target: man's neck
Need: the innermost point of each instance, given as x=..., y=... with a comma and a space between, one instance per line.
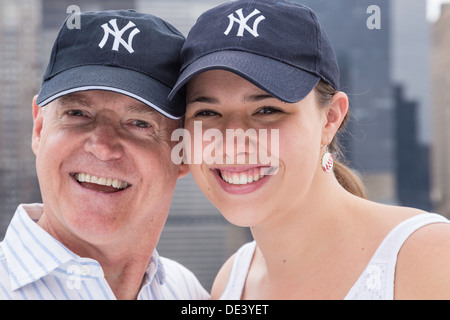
x=124, y=263
x=125, y=279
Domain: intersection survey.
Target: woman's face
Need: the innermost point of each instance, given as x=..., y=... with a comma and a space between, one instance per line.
x=234, y=173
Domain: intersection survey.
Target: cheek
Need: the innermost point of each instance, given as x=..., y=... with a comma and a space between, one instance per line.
x=300, y=152
x=53, y=148
x=200, y=177
x=159, y=172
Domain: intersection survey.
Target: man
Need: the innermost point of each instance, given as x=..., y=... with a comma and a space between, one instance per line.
x=101, y=136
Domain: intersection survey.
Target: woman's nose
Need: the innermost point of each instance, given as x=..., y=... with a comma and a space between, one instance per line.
x=240, y=140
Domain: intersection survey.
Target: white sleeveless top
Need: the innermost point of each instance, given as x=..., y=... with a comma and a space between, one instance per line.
x=375, y=283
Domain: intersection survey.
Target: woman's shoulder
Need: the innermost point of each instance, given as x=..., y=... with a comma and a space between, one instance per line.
x=422, y=270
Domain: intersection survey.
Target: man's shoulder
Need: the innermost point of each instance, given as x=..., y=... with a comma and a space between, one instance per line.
x=5, y=289
x=3, y=266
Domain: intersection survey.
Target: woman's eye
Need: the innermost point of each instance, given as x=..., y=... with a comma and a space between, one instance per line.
x=269, y=110
x=205, y=113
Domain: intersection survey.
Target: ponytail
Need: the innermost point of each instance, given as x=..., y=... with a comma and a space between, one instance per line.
x=344, y=175
x=349, y=180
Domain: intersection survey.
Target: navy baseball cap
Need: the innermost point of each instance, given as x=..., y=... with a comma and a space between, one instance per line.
x=277, y=45
x=123, y=51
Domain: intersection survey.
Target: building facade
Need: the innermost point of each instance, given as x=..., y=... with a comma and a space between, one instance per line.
x=441, y=113
x=19, y=82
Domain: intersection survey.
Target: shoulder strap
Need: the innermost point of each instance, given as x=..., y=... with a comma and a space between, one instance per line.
x=239, y=271
x=377, y=280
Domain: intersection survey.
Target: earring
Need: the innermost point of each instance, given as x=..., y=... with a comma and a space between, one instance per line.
x=327, y=162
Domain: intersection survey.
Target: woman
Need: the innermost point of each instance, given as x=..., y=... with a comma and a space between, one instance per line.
x=261, y=64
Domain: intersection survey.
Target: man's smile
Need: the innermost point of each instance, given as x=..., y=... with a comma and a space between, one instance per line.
x=100, y=184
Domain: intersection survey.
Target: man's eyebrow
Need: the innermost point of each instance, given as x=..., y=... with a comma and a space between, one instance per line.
x=140, y=109
x=73, y=99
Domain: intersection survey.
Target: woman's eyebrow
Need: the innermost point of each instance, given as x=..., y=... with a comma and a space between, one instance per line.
x=246, y=98
x=257, y=97
x=204, y=99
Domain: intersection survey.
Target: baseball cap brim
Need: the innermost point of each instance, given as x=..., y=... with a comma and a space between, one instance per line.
x=124, y=81
x=281, y=80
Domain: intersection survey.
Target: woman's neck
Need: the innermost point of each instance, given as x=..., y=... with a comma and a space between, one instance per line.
x=314, y=227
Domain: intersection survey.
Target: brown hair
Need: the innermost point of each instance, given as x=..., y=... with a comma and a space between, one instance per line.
x=344, y=175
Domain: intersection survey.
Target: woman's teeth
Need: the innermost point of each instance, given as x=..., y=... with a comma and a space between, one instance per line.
x=115, y=183
x=244, y=177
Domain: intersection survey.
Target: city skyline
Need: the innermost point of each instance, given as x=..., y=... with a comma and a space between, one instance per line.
x=374, y=64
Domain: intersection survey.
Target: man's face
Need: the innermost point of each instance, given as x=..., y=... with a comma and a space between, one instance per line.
x=104, y=166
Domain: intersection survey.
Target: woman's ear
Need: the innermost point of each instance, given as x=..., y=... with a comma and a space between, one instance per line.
x=37, y=126
x=335, y=115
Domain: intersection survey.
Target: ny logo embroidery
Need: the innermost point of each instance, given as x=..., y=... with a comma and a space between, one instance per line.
x=243, y=23
x=118, y=35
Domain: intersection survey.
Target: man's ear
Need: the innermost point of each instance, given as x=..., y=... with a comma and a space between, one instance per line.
x=335, y=115
x=37, y=126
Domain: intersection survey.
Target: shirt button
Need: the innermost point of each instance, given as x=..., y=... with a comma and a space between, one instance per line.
x=85, y=270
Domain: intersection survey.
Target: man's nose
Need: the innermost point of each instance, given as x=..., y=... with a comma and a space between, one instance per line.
x=104, y=142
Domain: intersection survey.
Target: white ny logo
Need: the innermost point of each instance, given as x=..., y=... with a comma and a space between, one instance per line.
x=118, y=35
x=243, y=23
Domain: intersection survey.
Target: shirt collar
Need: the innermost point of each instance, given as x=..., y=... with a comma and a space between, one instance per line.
x=32, y=253
x=155, y=270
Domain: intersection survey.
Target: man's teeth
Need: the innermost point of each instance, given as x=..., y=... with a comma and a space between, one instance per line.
x=115, y=183
x=241, y=178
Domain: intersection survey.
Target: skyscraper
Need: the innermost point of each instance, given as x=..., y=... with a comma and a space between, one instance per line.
x=441, y=113
x=364, y=59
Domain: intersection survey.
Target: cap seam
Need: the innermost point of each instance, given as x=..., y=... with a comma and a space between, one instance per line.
x=52, y=61
x=319, y=44
x=249, y=4
x=121, y=25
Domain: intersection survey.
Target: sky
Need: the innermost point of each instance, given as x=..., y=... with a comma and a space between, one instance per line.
x=433, y=9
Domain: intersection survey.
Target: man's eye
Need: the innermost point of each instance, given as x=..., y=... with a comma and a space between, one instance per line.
x=141, y=124
x=76, y=113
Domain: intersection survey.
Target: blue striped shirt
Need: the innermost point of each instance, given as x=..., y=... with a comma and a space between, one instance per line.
x=34, y=265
